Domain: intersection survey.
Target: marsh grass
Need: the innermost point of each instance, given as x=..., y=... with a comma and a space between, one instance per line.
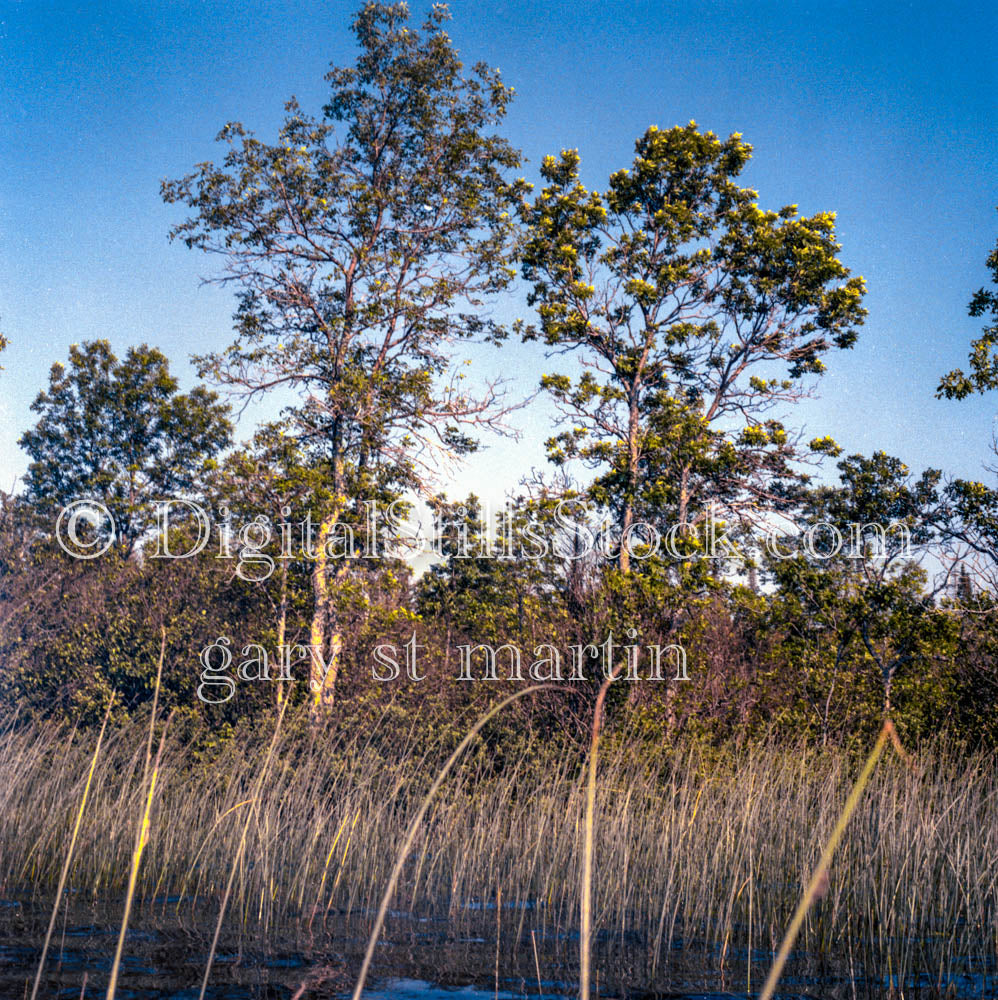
x=414, y=828
x=150, y=773
x=818, y=884
x=237, y=863
x=692, y=855
x=60, y=888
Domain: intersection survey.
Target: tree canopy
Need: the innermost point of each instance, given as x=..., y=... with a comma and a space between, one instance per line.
x=692, y=312
x=121, y=432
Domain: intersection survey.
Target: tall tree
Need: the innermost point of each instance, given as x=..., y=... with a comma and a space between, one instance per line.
x=120, y=432
x=361, y=254
x=692, y=312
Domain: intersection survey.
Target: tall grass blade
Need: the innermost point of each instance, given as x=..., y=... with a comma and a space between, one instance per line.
x=69, y=853
x=586, y=928
x=241, y=849
x=143, y=837
x=417, y=821
x=819, y=880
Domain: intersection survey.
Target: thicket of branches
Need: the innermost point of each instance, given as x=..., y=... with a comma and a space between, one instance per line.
x=683, y=322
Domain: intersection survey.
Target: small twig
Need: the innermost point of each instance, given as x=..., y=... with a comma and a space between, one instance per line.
x=537, y=964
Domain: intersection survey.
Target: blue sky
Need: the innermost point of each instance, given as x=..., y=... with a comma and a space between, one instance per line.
x=884, y=113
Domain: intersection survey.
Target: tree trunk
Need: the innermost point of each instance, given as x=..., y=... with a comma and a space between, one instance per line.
x=326, y=643
x=624, y=561
x=282, y=623
x=633, y=431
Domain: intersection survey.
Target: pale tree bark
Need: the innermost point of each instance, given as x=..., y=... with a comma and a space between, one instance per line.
x=633, y=457
x=364, y=244
x=282, y=626
x=325, y=639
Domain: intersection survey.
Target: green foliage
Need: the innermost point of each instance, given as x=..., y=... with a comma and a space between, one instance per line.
x=493, y=587
x=970, y=515
x=366, y=245
x=93, y=628
x=363, y=243
x=120, y=432
x=983, y=374
x=856, y=606
x=681, y=299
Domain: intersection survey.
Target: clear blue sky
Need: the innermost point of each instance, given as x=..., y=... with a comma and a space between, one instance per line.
x=884, y=113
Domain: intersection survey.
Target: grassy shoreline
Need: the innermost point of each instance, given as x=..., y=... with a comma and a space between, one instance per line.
x=691, y=854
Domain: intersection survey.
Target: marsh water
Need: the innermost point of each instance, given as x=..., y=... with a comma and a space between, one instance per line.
x=418, y=958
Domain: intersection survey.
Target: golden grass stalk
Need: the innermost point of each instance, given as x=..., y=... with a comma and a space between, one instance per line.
x=329, y=858
x=143, y=838
x=143, y=833
x=586, y=928
x=537, y=962
x=237, y=864
x=69, y=854
x=819, y=880
x=417, y=822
